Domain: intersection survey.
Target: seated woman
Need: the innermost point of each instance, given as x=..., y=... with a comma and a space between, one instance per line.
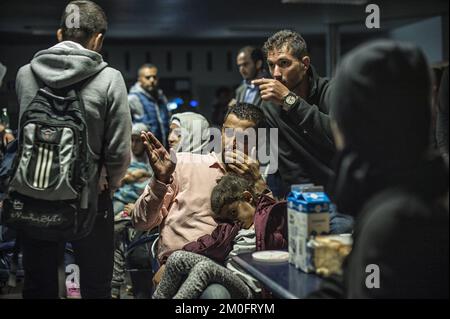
x=183, y=127
x=189, y=132
x=247, y=224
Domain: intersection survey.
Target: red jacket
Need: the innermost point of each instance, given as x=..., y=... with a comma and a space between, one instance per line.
x=270, y=226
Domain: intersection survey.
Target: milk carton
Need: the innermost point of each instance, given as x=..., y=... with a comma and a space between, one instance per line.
x=294, y=220
x=308, y=215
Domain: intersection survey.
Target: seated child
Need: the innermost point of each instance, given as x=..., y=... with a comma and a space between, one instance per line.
x=133, y=184
x=246, y=224
x=138, y=174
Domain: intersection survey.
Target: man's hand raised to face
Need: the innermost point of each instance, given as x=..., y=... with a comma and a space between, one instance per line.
x=246, y=166
x=243, y=165
x=162, y=163
x=271, y=90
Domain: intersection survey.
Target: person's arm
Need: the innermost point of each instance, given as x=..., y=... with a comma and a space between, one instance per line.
x=310, y=119
x=136, y=108
x=216, y=245
x=128, y=179
x=154, y=203
x=117, y=147
x=26, y=87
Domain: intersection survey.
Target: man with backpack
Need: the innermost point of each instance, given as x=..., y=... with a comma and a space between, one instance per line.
x=6, y=135
x=73, y=133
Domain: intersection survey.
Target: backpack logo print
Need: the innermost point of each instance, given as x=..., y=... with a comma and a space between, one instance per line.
x=17, y=205
x=48, y=134
x=43, y=167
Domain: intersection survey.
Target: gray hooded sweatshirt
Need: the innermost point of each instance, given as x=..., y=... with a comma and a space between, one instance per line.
x=104, y=95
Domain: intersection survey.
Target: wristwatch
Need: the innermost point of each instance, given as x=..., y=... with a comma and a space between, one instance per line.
x=289, y=100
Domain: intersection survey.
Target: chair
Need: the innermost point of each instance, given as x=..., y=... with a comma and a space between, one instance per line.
x=141, y=278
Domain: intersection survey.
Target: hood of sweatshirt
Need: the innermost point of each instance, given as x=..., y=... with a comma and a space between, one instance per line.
x=65, y=64
x=381, y=103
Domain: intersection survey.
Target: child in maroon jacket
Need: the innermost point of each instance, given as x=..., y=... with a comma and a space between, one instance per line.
x=247, y=224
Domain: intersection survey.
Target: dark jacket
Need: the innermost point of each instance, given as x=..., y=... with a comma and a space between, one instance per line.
x=442, y=116
x=151, y=111
x=240, y=93
x=404, y=230
x=305, y=142
x=270, y=226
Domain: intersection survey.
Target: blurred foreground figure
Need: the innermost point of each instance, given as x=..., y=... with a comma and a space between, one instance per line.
x=387, y=178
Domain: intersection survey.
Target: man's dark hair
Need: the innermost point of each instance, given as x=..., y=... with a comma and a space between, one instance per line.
x=92, y=20
x=256, y=54
x=229, y=189
x=146, y=66
x=287, y=38
x=249, y=112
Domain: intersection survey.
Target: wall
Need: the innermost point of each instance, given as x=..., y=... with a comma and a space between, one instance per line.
x=128, y=55
x=427, y=34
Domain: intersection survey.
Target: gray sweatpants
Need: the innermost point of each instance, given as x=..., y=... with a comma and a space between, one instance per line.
x=188, y=274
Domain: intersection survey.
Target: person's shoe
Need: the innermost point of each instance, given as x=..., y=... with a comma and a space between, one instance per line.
x=129, y=290
x=115, y=292
x=73, y=292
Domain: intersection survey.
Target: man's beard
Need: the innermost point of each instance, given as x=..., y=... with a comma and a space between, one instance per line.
x=153, y=91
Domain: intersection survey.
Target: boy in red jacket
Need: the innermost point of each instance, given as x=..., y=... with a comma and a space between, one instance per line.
x=246, y=224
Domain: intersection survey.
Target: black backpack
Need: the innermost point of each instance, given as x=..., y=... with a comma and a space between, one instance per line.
x=52, y=192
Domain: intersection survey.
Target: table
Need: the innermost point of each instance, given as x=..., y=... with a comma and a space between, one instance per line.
x=282, y=278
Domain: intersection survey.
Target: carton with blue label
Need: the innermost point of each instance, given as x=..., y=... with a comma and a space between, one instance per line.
x=308, y=215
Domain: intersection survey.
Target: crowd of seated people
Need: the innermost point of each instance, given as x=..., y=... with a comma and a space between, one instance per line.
x=363, y=135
